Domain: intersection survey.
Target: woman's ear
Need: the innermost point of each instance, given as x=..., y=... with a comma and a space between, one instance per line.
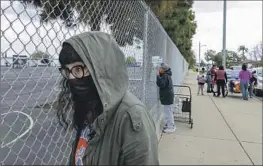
x=161, y=70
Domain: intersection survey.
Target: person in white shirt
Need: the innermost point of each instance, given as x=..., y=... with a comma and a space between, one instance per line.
x=201, y=82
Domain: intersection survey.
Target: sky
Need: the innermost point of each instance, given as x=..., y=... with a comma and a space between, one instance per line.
x=23, y=34
x=243, y=27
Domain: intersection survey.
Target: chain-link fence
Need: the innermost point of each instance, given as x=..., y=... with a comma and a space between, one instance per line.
x=31, y=38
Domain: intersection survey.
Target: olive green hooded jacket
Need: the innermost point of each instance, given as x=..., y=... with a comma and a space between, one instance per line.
x=125, y=132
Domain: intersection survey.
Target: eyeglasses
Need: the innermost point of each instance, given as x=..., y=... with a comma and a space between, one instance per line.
x=77, y=71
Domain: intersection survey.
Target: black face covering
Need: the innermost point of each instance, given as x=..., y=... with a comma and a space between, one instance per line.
x=83, y=89
x=87, y=103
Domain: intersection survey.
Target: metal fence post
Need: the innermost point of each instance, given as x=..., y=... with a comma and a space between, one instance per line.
x=145, y=52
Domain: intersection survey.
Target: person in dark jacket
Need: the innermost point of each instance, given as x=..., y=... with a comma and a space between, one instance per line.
x=212, y=73
x=166, y=92
x=221, y=80
x=252, y=82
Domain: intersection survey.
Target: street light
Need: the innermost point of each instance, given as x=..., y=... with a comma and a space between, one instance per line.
x=224, y=35
x=200, y=53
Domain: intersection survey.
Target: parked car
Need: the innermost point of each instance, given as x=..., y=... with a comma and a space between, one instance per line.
x=258, y=88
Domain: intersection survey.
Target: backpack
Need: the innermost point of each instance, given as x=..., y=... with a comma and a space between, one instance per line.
x=201, y=79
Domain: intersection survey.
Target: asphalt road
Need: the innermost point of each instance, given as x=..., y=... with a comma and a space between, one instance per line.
x=36, y=86
x=44, y=141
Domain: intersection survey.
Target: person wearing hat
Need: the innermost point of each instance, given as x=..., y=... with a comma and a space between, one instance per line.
x=166, y=92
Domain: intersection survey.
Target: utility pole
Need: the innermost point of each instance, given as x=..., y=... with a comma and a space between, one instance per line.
x=224, y=35
x=199, y=53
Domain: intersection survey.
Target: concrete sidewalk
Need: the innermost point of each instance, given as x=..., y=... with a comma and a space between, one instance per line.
x=226, y=131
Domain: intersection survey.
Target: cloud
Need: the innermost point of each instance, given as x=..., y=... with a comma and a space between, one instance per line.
x=244, y=24
x=217, y=6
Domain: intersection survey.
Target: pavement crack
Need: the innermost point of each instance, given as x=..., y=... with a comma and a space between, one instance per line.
x=221, y=139
x=251, y=142
x=240, y=142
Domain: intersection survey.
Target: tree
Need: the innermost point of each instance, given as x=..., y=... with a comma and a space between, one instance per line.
x=210, y=55
x=161, y=7
x=243, y=49
x=191, y=60
x=257, y=52
x=178, y=20
x=130, y=60
x=232, y=58
x=253, y=53
x=118, y=14
x=218, y=59
x=42, y=56
x=202, y=63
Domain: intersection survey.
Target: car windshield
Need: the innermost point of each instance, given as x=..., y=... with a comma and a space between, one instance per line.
x=259, y=72
x=237, y=68
x=233, y=74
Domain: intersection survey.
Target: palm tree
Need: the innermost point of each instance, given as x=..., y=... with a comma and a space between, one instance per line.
x=244, y=50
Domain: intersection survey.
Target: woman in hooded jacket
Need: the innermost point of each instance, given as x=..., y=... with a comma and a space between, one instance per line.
x=113, y=127
x=166, y=93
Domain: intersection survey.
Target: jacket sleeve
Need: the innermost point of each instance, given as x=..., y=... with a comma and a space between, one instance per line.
x=139, y=139
x=226, y=76
x=206, y=77
x=161, y=81
x=215, y=76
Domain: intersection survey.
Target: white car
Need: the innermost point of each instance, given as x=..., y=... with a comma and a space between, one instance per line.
x=259, y=85
x=259, y=79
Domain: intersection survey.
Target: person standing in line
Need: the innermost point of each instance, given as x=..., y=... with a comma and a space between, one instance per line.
x=244, y=76
x=231, y=82
x=201, y=82
x=208, y=81
x=221, y=80
x=213, y=72
x=166, y=92
x=252, y=83
x=203, y=69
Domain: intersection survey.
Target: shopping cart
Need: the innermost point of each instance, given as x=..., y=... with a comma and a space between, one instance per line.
x=183, y=106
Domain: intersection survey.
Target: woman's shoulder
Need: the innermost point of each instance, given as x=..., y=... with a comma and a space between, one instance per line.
x=133, y=111
x=130, y=101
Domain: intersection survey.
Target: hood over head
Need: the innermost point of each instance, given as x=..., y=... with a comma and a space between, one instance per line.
x=165, y=66
x=168, y=72
x=106, y=64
